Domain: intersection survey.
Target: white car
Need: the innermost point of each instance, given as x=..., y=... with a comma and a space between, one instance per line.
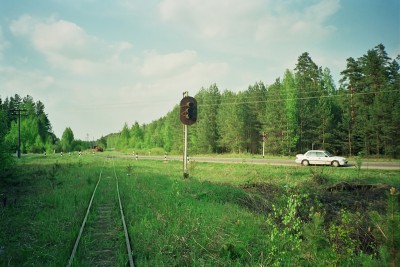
x=320, y=157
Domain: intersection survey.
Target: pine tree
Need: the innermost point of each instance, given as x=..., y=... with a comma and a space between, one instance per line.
x=276, y=119
x=290, y=104
x=231, y=126
x=205, y=135
x=350, y=87
x=308, y=82
x=255, y=99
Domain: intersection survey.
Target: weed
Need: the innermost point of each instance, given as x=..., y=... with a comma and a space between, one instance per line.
x=52, y=176
x=286, y=231
x=192, y=166
x=89, y=180
x=387, y=229
x=340, y=237
x=318, y=177
x=359, y=162
x=129, y=170
x=230, y=215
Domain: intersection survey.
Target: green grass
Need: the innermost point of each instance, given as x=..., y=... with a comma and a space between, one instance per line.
x=223, y=215
x=46, y=204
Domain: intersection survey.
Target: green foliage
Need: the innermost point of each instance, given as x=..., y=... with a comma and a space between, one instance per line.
x=303, y=110
x=387, y=230
x=217, y=218
x=318, y=177
x=204, y=136
x=6, y=161
x=340, y=237
x=67, y=139
x=285, y=236
x=36, y=132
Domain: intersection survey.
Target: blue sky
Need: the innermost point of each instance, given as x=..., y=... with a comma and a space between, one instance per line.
x=98, y=64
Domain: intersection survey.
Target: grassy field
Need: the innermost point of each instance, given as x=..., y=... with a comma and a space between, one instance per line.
x=224, y=215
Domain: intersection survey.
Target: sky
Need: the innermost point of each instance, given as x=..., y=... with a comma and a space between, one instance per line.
x=98, y=64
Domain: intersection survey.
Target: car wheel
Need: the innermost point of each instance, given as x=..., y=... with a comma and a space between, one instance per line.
x=335, y=163
x=305, y=163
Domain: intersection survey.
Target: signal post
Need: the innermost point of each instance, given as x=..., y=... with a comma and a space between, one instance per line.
x=188, y=116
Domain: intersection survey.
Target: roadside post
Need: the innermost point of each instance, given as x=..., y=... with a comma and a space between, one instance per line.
x=264, y=135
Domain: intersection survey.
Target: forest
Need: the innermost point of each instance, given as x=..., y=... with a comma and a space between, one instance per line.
x=302, y=110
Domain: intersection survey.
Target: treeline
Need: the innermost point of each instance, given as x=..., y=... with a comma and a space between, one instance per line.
x=36, y=132
x=35, y=128
x=302, y=110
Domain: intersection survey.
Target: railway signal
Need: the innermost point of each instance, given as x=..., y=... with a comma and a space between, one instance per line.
x=188, y=110
x=188, y=116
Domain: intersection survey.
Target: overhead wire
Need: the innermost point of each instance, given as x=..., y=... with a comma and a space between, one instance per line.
x=296, y=98
x=211, y=101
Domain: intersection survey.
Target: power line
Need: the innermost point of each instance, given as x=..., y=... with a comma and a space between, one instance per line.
x=296, y=98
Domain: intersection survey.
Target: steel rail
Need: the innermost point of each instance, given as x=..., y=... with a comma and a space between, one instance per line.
x=128, y=244
x=71, y=258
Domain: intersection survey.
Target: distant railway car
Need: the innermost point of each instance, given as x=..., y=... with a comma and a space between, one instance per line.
x=98, y=148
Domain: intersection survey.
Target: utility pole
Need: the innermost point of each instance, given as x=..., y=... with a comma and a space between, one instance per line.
x=18, y=111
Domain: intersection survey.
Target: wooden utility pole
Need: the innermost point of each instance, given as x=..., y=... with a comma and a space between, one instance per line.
x=18, y=111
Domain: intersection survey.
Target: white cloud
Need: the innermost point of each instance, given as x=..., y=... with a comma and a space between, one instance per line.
x=67, y=46
x=26, y=82
x=156, y=64
x=261, y=19
x=208, y=18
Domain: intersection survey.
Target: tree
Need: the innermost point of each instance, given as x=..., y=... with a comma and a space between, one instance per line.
x=172, y=131
x=350, y=86
x=255, y=102
x=6, y=161
x=231, y=122
x=205, y=135
x=290, y=104
x=44, y=125
x=371, y=107
x=276, y=119
x=136, y=136
x=326, y=114
x=67, y=140
x=123, y=141
x=308, y=92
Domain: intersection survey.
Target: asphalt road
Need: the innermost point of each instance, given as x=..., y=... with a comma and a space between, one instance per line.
x=276, y=162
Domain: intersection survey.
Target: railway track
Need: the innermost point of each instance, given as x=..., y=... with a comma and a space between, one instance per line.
x=103, y=238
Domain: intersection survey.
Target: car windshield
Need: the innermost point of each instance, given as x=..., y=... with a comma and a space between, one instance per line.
x=329, y=154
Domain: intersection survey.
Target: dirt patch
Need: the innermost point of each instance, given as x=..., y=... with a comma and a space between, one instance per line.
x=355, y=198
x=352, y=196
x=260, y=196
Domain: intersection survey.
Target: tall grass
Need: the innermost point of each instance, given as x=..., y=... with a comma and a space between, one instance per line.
x=48, y=197
x=211, y=220
x=224, y=215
